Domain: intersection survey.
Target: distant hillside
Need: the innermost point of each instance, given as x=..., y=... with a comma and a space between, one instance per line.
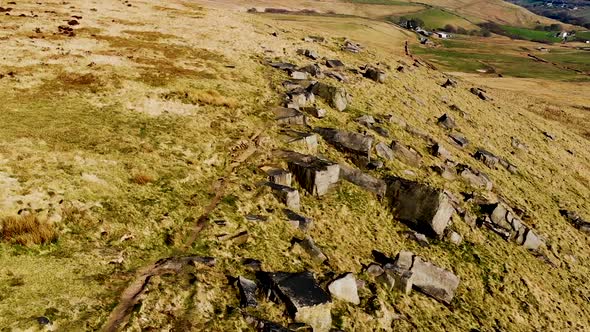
x=576, y=12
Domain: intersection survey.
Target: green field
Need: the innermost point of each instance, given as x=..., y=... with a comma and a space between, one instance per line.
x=436, y=18
x=583, y=35
x=529, y=34
x=470, y=55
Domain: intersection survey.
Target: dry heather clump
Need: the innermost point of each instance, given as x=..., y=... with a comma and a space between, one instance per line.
x=142, y=179
x=27, y=230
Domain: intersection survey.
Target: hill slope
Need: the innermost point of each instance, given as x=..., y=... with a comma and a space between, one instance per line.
x=146, y=130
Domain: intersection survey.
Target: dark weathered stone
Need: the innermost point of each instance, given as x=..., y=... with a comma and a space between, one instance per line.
x=334, y=64
x=336, y=75
x=347, y=141
x=287, y=195
x=549, y=135
x=289, y=116
x=298, y=221
x=381, y=131
x=406, y=154
x=247, y=292
x=374, y=270
x=375, y=74
x=488, y=158
x=424, y=207
x=459, y=140
x=336, y=97
x=366, y=120
x=365, y=181
x=446, y=121
x=445, y=171
x=306, y=301
x=314, y=175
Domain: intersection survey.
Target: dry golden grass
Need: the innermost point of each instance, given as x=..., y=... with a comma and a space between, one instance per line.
x=27, y=230
x=202, y=97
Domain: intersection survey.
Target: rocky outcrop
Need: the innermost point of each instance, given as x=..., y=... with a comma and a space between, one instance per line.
x=500, y=219
x=289, y=116
x=425, y=208
x=406, y=154
x=375, y=75
x=247, y=290
x=287, y=195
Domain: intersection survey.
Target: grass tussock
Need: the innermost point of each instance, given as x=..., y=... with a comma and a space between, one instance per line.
x=202, y=97
x=142, y=179
x=27, y=230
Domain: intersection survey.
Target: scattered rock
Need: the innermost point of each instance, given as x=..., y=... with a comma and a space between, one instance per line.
x=336, y=64
x=312, y=249
x=449, y=83
x=43, y=320
x=347, y=141
x=336, y=97
x=307, y=141
x=337, y=76
x=375, y=74
x=365, y=181
x=306, y=301
x=313, y=70
x=517, y=144
x=247, y=290
x=309, y=53
x=475, y=177
x=366, y=120
x=384, y=151
x=314, y=39
x=479, y=92
x=374, y=270
x=489, y=159
x=445, y=171
x=502, y=221
x=455, y=238
x=549, y=135
x=299, y=75
x=433, y=280
x=420, y=238
x=394, y=118
x=289, y=116
x=406, y=154
x=298, y=221
x=345, y=288
x=287, y=195
x=319, y=113
x=575, y=219
x=424, y=207
x=375, y=164
x=314, y=175
x=439, y=151
x=253, y=264
x=459, y=140
x=280, y=176
x=73, y=22
x=457, y=109
x=351, y=47
x=446, y=121
x=66, y=30
x=283, y=66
